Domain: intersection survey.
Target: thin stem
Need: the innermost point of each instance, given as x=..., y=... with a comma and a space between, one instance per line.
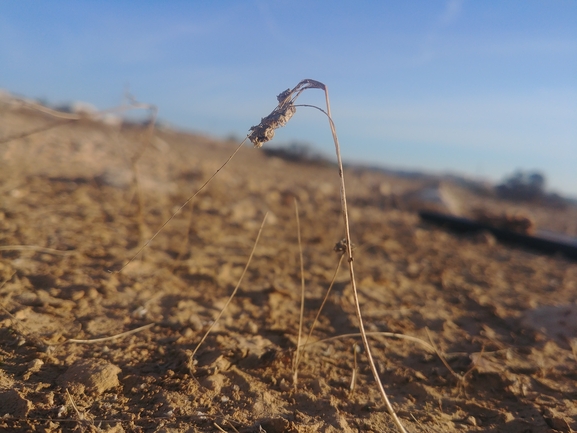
x=235, y=289
x=324, y=300
x=80, y=416
x=113, y=337
x=441, y=357
x=395, y=335
x=297, y=354
x=349, y=253
x=188, y=200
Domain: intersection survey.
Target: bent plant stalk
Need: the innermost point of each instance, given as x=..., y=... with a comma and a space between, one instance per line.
x=264, y=132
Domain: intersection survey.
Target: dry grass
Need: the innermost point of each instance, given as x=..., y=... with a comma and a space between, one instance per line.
x=264, y=132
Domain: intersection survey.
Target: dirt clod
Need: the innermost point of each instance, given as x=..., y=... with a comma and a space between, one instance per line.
x=12, y=403
x=90, y=375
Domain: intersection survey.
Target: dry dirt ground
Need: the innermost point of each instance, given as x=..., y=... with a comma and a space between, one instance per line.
x=72, y=214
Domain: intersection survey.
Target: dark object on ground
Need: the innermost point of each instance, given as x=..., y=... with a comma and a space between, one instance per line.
x=510, y=222
x=545, y=242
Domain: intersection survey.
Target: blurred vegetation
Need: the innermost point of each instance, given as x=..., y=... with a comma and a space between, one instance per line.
x=298, y=152
x=524, y=186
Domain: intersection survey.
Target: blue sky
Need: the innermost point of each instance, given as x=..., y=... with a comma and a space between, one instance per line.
x=471, y=87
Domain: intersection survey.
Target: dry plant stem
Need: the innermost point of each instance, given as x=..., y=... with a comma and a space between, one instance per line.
x=133, y=104
x=65, y=118
x=231, y=426
x=219, y=427
x=185, y=244
x=150, y=128
x=42, y=128
x=377, y=334
x=355, y=370
x=80, y=416
x=264, y=132
x=188, y=200
x=113, y=337
x=324, y=300
x=352, y=271
x=235, y=289
x=147, y=142
x=441, y=357
x=139, y=201
x=302, y=309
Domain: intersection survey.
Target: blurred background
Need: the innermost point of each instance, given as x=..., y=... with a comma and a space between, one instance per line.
x=480, y=89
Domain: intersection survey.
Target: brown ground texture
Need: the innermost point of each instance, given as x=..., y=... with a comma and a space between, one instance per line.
x=78, y=201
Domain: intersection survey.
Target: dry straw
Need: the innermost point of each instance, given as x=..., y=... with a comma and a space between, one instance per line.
x=264, y=132
x=302, y=308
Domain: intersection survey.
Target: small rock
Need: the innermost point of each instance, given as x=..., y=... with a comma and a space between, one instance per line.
x=556, y=421
x=284, y=385
x=34, y=366
x=187, y=333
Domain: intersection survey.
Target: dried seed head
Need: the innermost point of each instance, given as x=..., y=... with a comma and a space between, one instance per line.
x=284, y=95
x=285, y=115
x=264, y=131
x=260, y=134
